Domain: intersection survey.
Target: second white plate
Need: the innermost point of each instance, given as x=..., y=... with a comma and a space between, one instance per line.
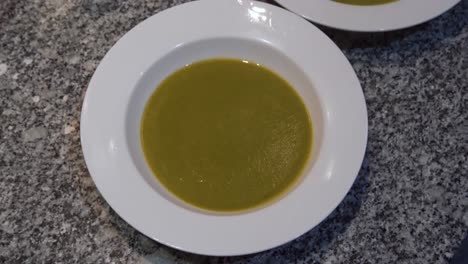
x=391, y=16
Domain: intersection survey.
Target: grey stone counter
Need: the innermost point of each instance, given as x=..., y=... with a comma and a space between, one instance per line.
x=408, y=205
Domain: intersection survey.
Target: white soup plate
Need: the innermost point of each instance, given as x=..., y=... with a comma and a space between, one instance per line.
x=250, y=30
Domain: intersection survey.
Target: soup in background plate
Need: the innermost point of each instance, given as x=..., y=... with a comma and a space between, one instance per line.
x=365, y=2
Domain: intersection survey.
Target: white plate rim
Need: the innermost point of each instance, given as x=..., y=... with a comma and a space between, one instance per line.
x=98, y=146
x=379, y=18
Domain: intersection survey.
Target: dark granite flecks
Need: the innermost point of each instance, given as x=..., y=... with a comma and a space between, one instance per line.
x=408, y=205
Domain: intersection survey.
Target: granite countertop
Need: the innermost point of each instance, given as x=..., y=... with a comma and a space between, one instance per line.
x=408, y=205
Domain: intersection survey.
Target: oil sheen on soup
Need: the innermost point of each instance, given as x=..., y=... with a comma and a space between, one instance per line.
x=226, y=134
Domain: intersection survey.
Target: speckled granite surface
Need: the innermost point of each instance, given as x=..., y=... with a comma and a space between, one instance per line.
x=409, y=204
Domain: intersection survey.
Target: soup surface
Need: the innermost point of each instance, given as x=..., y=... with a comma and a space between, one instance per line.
x=365, y=2
x=226, y=134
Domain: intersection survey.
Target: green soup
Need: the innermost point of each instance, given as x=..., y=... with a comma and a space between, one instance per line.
x=226, y=134
x=365, y=2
